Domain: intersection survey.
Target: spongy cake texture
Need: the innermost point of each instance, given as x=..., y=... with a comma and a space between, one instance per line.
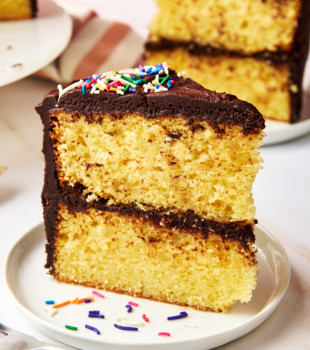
x=153, y=201
x=248, y=26
x=159, y=163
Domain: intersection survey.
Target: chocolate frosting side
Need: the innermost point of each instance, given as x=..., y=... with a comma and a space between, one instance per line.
x=295, y=58
x=186, y=98
x=34, y=7
x=50, y=191
x=298, y=57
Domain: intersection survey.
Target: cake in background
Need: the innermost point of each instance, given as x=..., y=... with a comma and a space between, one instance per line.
x=147, y=189
x=17, y=9
x=251, y=48
x=2, y=169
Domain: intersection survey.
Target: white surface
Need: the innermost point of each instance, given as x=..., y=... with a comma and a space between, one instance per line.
x=281, y=191
x=24, y=270
x=28, y=45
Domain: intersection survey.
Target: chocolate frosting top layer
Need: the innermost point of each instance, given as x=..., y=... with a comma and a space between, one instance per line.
x=185, y=98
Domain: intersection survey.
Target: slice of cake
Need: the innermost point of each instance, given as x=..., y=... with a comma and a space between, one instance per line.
x=251, y=48
x=17, y=9
x=147, y=187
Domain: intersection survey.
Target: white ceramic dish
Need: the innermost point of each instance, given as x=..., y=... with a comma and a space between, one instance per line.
x=30, y=286
x=28, y=45
x=278, y=132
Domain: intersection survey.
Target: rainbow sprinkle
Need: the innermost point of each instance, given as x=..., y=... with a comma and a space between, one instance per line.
x=84, y=300
x=126, y=322
x=75, y=301
x=65, y=303
x=72, y=328
x=176, y=317
x=145, y=318
x=98, y=294
x=94, y=329
x=190, y=325
x=95, y=314
x=51, y=312
x=133, y=303
x=125, y=81
x=129, y=308
x=165, y=334
x=125, y=328
x=120, y=322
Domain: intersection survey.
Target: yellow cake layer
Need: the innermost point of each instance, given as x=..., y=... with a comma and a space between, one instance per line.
x=15, y=9
x=139, y=160
x=237, y=25
x=123, y=254
x=259, y=82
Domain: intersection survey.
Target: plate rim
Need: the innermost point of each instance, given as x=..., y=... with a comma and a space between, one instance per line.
x=31, y=67
x=50, y=328
x=278, y=132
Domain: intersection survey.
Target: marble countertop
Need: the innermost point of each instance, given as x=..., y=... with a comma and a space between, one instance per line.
x=281, y=192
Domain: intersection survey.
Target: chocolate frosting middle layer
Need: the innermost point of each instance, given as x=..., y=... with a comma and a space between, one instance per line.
x=75, y=200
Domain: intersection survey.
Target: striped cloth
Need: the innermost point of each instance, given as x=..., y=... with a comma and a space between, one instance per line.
x=96, y=46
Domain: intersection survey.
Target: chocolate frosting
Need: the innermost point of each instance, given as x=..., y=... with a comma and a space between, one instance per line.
x=34, y=7
x=295, y=57
x=187, y=99
x=74, y=199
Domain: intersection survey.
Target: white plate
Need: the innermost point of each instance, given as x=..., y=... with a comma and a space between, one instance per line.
x=277, y=132
x=30, y=286
x=28, y=45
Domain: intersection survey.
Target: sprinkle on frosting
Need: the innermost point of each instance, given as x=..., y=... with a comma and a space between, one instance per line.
x=126, y=81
